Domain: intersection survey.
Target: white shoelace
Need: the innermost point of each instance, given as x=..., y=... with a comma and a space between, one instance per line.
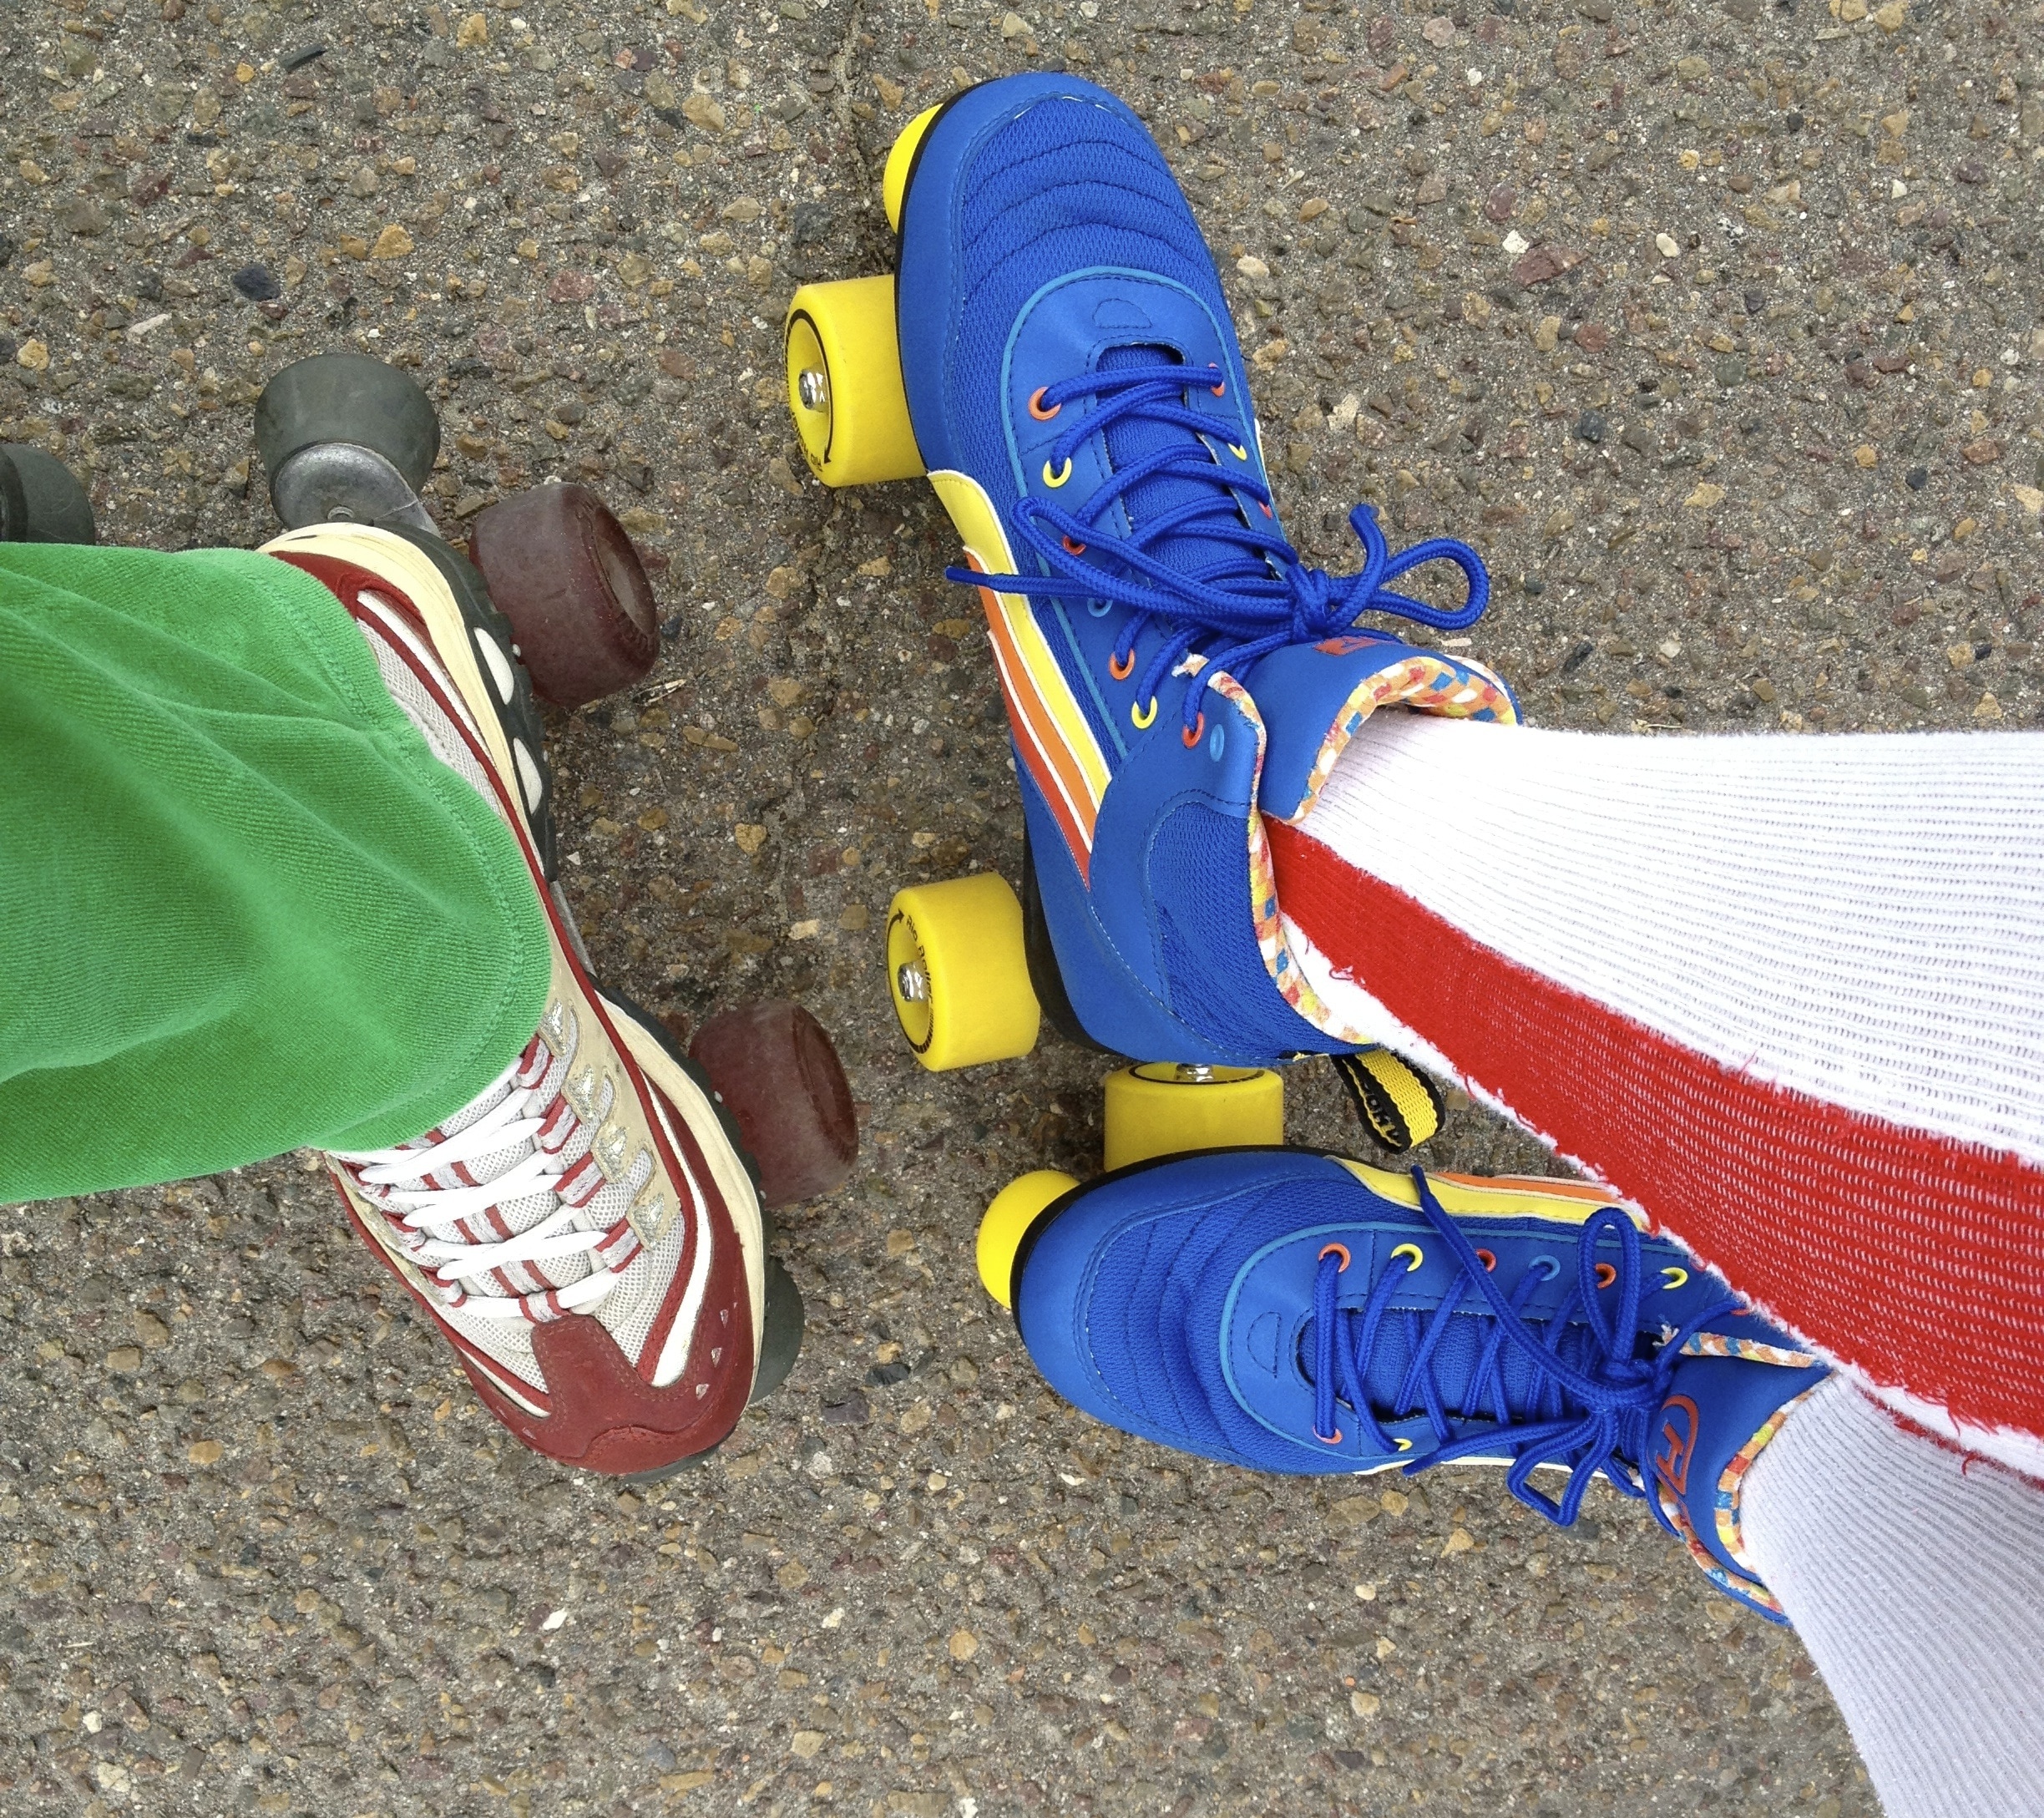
x=429, y=1217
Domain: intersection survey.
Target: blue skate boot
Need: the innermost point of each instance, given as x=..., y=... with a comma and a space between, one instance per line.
x=1294, y=1312
x=1057, y=355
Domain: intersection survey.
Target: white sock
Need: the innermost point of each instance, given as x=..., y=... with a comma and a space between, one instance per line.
x=1915, y=1578
x=1783, y=992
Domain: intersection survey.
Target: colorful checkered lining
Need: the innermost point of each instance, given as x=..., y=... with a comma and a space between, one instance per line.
x=1423, y=683
x=1725, y=1497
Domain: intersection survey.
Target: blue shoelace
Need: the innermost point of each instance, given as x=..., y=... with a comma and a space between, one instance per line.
x=1591, y=1403
x=1255, y=598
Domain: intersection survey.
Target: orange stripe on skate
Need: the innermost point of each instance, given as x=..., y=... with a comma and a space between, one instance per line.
x=1050, y=763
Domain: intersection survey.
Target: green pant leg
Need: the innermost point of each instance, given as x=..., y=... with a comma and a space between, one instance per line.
x=243, y=909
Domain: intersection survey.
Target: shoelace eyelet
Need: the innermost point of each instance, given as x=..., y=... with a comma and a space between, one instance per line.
x=1059, y=478
x=1335, y=1249
x=1238, y=451
x=1036, y=405
x=1674, y=1277
x=1606, y=1274
x=1143, y=721
x=1414, y=1251
x=1325, y=1439
x=1191, y=735
x=1122, y=673
x=1072, y=547
x=1488, y=1260
x=1219, y=390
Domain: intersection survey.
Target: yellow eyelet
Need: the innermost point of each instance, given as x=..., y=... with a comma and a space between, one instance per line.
x=1403, y=1444
x=1412, y=1250
x=1143, y=720
x=1238, y=451
x=1675, y=1278
x=1059, y=477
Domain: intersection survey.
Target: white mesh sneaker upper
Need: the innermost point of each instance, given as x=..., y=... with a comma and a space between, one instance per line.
x=509, y=1216
x=544, y=1197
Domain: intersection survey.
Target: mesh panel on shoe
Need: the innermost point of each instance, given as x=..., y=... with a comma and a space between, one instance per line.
x=1066, y=186
x=439, y=731
x=1132, y=438
x=1152, y=1322
x=1221, y=989
x=629, y=1310
x=1152, y=1319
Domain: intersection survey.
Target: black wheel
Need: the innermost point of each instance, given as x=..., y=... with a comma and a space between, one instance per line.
x=345, y=437
x=41, y=500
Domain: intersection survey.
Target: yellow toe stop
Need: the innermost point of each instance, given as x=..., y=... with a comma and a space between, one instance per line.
x=894, y=178
x=844, y=383
x=1006, y=1223
x=1164, y=1108
x=958, y=973
x=1398, y=1105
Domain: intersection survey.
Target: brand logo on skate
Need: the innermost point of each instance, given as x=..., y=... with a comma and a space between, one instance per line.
x=1679, y=1420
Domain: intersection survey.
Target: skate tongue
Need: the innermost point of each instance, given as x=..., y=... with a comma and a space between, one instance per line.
x=1314, y=696
x=518, y=1215
x=1135, y=438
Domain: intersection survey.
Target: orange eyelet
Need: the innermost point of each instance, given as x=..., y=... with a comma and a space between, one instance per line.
x=1035, y=408
x=1487, y=1259
x=1122, y=674
x=1335, y=1249
x=1072, y=547
x=1221, y=389
x=1325, y=1439
x=1267, y=511
x=1193, y=734
x=1606, y=1274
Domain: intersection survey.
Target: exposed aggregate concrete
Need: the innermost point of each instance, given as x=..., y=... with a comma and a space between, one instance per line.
x=1716, y=329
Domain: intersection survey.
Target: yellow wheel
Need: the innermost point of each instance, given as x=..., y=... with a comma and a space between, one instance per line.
x=1399, y=1106
x=1162, y=1108
x=1007, y=1222
x=845, y=383
x=894, y=179
x=958, y=973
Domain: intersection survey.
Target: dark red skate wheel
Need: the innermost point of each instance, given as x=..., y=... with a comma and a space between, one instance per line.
x=560, y=567
x=780, y=1079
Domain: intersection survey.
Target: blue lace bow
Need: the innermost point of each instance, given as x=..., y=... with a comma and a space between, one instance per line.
x=1255, y=598
x=1590, y=1404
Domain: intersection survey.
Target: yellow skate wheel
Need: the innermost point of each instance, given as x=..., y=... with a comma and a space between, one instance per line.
x=958, y=973
x=845, y=383
x=1007, y=1222
x=1162, y=1108
x=894, y=178
x=1399, y=1106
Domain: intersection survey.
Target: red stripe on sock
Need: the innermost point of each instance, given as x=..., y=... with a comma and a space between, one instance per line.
x=1916, y=1260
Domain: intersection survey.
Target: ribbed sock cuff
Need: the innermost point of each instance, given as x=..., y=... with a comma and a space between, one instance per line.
x=1915, y=1576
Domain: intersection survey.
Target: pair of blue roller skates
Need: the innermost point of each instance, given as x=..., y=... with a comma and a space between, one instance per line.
x=1055, y=352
